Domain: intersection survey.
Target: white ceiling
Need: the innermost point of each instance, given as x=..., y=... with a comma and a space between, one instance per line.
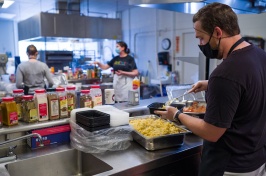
x=26, y=8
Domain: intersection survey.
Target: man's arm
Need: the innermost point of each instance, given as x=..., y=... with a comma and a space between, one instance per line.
x=49, y=76
x=201, y=128
x=19, y=79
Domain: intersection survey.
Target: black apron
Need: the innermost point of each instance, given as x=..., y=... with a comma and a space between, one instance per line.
x=215, y=155
x=26, y=90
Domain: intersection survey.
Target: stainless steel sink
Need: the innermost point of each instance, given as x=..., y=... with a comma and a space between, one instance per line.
x=64, y=163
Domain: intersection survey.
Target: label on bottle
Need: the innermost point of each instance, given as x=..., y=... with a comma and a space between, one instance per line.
x=98, y=100
x=63, y=106
x=135, y=84
x=43, y=111
x=33, y=115
x=13, y=118
x=19, y=111
x=54, y=108
x=88, y=104
x=109, y=96
x=70, y=103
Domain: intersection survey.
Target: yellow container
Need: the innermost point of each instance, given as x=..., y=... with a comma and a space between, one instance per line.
x=9, y=109
x=135, y=83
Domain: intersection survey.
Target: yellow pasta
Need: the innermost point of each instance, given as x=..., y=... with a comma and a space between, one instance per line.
x=154, y=127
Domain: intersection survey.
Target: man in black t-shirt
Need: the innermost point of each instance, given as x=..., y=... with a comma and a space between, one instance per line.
x=234, y=125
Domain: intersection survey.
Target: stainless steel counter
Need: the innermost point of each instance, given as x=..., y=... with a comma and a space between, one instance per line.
x=134, y=161
x=23, y=126
x=134, y=110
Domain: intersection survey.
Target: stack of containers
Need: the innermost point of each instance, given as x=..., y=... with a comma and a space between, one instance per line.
x=96, y=94
x=40, y=98
x=62, y=98
x=93, y=120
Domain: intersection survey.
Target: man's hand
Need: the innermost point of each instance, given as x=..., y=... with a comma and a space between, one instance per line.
x=168, y=114
x=199, y=86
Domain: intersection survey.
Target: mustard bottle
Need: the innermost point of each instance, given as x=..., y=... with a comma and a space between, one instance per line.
x=10, y=114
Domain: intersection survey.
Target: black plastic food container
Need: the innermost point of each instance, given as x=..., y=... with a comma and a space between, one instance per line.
x=91, y=129
x=92, y=118
x=159, y=106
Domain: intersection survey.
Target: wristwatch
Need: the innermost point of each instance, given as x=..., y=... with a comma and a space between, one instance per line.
x=177, y=115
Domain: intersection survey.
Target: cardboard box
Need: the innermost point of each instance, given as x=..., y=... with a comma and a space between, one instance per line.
x=50, y=135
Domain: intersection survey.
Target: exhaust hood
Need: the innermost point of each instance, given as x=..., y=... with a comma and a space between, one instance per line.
x=192, y=6
x=50, y=26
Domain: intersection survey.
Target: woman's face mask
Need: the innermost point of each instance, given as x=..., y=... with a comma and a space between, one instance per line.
x=208, y=51
x=117, y=50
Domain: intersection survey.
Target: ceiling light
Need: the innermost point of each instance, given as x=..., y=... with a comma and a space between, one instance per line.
x=7, y=4
x=7, y=15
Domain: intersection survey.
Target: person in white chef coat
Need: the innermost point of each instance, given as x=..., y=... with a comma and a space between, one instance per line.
x=125, y=69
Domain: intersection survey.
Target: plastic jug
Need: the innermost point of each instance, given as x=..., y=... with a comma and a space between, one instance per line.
x=135, y=83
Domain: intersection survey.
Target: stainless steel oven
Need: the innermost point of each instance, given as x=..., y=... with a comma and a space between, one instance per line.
x=57, y=59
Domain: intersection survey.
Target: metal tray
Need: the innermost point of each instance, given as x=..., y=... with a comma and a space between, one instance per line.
x=160, y=142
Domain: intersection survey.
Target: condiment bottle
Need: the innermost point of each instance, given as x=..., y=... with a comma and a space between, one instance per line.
x=135, y=83
x=95, y=71
x=18, y=94
x=1, y=116
x=96, y=94
x=28, y=109
x=70, y=74
x=62, y=98
x=89, y=73
x=40, y=99
x=92, y=73
x=85, y=99
x=53, y=105
x=71, y=98
x=9, y=108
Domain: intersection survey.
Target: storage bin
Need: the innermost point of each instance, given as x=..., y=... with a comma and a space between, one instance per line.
x=50, y=135
x=92, y=118
x=91, y=129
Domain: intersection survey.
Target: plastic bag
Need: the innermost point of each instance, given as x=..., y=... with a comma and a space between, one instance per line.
x=112, y=139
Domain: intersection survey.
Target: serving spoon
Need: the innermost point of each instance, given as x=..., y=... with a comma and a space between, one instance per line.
x=169, y=102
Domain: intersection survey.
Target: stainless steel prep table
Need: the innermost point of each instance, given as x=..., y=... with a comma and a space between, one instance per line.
x=138, y=161
x=135, y=160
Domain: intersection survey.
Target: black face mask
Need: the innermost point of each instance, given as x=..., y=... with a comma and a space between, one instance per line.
x=208, y=51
